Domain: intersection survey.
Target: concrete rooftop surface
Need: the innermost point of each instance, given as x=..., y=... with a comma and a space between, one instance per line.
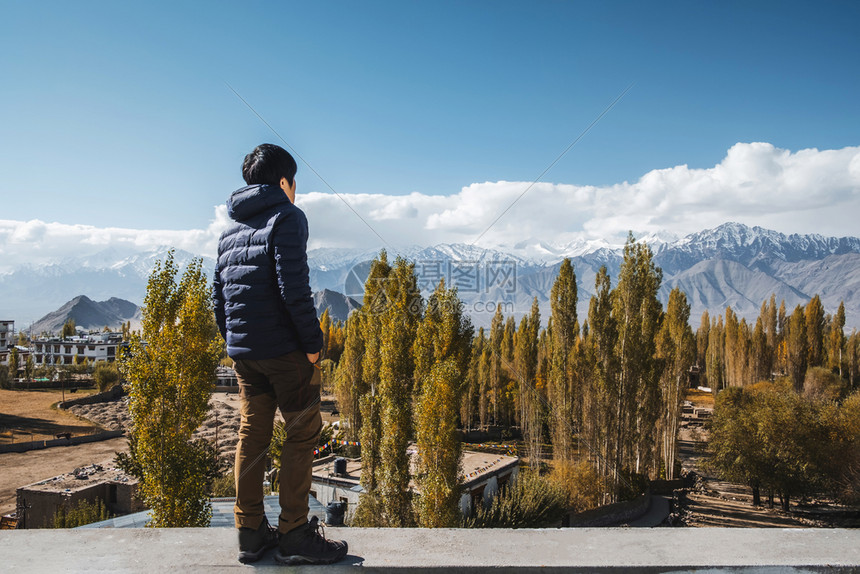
x=195, y=550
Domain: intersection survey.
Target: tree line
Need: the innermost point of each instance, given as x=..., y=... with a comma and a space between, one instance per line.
x=787, y=411
x=603, y=395
x=735, y=353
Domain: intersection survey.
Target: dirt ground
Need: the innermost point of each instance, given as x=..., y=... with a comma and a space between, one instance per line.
x=30, y=415
x=23, y=468
x=714, y=502
x=31, y=412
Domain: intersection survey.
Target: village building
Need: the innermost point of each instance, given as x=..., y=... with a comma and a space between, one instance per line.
x=38, y=503
x=7, y=333
x=99, y=347
x=337, y=479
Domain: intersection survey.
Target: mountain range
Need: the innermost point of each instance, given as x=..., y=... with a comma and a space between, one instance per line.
x=732, y=264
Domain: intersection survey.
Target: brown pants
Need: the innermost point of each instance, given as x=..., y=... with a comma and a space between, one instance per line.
x=291, y=383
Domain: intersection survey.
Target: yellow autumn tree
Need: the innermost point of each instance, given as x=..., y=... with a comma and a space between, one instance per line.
x=170, y=369
x=439, y=448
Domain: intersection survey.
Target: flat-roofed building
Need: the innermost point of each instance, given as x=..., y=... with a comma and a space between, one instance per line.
x=7, y=332
x=483, y=475
x=101, y=347
x=39, y=502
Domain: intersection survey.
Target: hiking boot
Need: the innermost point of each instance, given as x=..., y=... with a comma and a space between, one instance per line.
x=306, y=545
x=254, y=543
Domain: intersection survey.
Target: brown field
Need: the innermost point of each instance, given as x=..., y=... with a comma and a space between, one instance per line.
x=699, y=398
x=32, y=415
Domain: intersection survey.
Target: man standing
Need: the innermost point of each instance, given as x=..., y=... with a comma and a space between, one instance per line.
x=265, y=312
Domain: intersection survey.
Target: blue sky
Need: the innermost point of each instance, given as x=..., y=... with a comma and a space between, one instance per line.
x=118, y=115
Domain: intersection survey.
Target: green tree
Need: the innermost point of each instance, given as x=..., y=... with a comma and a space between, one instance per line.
x=399, y=326
x=496, y=373
x=797, y=347
x=525, y=365
x=439, y=447
x=600, y=427
x=69, y=328
x=106, y=376
x=393, y=308
x=702, y=335
x=564, y=331
x=473, y=400
x=84, y=512
x=368, y=354
x=676, y=348
x=836, y=341
x=815, y=325
x=14, y=362
x=637, y=310
x=170, y=371
x=444, y=333
x=852, y=352
x=350, y=384
x=532, y=501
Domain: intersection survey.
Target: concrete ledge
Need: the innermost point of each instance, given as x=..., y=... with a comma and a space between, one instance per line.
x=448, y=550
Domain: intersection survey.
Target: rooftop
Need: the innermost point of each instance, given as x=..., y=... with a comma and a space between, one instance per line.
x=222, y=514
x=476, y=465
x=80, y=478
x=204, y=550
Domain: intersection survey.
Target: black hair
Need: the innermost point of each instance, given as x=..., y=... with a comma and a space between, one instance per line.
x=268, y=163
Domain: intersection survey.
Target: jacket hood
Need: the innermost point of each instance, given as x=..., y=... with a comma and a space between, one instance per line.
x=248, y=201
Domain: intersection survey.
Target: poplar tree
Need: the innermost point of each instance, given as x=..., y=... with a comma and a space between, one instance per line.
x=733, y=354
x=509, y=393
x=350, y=383
x=439, y=447
x=13, y=360
x=715, y=361
x=369, y=327
x=325, y=327
x=170, y=369
x=760, y=354
x=677, y=349
x=702, y=334
x=637, y=310
x=797, y=348
x=815, y=324
x=398, y=328
x=836, y=341
x=445, y=332
x=564, y=330
x=852, y=351
x=496, y=372
x=604, y=400
x=473, y=400
x=525, y=361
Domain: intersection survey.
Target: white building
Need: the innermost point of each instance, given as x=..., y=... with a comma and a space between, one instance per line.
x=7, y=334
x=101, y=347
x=484, y=474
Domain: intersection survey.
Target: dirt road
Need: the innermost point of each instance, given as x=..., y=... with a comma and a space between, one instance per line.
x=715, y=502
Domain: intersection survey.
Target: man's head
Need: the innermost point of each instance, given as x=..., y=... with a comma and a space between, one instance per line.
x=272, y=165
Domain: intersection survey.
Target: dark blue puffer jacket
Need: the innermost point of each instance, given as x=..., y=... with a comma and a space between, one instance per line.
x=262, y=295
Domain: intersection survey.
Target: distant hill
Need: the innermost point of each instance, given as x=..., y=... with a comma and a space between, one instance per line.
x=88, y=314
x=339, y=306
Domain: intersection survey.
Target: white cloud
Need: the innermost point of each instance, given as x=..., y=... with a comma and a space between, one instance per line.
x=756, y=183
x=36, y=242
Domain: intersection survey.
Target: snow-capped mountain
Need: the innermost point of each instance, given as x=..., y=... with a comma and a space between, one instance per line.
x=31, y=291
x=732, y=264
